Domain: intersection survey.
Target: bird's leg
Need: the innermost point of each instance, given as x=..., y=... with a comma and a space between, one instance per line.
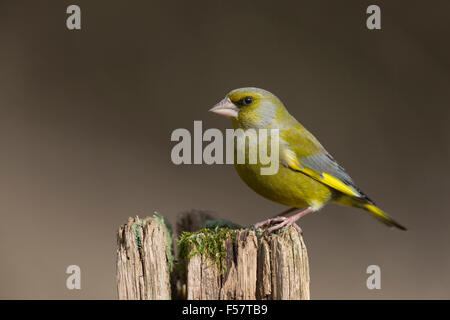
x=286, y=212
x=290, y=221
x=278, y=218
x=268, y=222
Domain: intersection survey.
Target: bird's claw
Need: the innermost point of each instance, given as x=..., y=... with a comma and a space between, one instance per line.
x=276, y=224
x=268, y=222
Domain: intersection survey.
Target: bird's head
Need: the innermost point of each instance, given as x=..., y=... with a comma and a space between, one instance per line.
x=251, y=108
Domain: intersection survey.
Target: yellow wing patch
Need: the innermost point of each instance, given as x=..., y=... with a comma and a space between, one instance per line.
x=339, y=185
x=322, y=177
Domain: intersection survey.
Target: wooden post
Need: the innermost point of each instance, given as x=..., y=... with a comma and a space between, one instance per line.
x=144, y=259
x=283, y=268
x=235, y=278
x=215, y=263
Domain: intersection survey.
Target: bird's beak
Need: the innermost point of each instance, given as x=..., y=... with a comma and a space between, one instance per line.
x=226, y=108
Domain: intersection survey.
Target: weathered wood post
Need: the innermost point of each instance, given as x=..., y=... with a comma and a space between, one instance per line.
x=144, y=259
x=221, y=261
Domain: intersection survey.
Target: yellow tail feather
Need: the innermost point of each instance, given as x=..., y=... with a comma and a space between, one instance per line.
x=370, y=207
x=382, y=216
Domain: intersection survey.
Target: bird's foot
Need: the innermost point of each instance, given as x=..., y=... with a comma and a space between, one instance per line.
x=268, y=222
x=277, y=223
x=285, y=223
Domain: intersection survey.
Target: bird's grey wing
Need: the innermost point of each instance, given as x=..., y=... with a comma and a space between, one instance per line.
x=324, y=162
x=318, y=164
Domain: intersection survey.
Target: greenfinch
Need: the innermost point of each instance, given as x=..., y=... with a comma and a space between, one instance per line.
x=308, y=177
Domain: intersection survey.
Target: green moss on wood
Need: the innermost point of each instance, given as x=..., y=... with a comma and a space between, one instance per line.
x=136, y=227
x=221, y=223
x=206, y=242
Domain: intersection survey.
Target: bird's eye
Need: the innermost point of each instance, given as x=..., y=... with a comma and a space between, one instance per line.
x=245, y=101
x=248, y=100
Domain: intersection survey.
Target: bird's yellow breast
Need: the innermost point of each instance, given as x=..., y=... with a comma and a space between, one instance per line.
x=286, y=187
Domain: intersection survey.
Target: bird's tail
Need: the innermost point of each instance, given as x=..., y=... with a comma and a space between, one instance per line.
x=372, y=209
x=382, y=216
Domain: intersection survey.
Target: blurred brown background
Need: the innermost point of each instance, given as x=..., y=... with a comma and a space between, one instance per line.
x=86, y=118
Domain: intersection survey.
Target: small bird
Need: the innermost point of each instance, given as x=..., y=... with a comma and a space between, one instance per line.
x=308, y=177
